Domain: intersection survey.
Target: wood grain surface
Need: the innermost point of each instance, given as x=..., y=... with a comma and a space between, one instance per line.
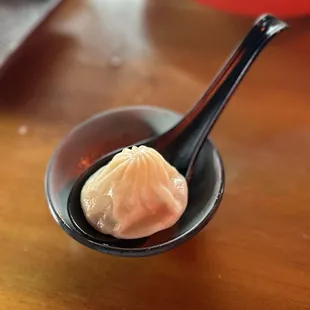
x=94, y=55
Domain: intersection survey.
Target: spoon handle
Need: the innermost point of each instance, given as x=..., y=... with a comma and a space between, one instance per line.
x=185, y=139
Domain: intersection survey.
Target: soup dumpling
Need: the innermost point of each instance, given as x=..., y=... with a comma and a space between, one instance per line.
x=137, y=194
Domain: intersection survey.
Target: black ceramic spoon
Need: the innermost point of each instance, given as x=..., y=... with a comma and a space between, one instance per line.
x=182, y=143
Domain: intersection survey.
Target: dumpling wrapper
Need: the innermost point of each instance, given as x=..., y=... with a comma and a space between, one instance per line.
x=136, y=195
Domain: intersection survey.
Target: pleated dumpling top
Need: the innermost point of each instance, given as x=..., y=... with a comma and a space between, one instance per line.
x=136, y=195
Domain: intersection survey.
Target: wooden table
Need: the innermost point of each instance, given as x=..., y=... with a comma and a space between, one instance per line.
x=98, y=54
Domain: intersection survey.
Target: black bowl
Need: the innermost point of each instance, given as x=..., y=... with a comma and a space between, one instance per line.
x=119, y=128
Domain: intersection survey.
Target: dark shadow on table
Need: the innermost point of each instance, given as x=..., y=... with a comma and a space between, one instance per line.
x=20, y=81
x=18, y=19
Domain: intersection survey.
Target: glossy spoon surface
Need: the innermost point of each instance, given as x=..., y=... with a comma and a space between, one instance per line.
x=181, y=145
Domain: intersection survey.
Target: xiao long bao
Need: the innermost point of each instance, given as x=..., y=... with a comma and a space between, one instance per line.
x=136, y=195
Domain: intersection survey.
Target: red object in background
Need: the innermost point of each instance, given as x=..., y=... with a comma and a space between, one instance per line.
x=280, y=8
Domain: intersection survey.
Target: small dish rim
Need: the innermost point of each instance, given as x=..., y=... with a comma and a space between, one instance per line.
x=132, y=252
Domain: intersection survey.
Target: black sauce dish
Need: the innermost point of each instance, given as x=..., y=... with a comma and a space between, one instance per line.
x=118, y=128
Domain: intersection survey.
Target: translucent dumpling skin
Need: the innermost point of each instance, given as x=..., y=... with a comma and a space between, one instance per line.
x=136, y=195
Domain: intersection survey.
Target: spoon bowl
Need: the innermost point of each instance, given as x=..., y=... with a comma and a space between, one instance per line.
x=114, y=129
